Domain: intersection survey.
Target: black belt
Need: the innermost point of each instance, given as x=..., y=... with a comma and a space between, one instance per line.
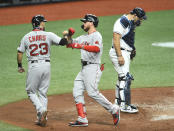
x=36, y=61
x=84, y=63
x=123, y=49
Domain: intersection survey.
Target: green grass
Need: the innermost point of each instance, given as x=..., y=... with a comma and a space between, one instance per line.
x=152, y=67
x=7, y=127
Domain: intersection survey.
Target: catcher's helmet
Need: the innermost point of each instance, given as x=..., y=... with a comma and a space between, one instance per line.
x=139, y=12
x=36, y=20
x=90, y=18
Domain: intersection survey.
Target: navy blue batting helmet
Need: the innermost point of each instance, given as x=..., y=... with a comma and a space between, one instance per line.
x=36, y=20
x=90, y=18
x=140, y=13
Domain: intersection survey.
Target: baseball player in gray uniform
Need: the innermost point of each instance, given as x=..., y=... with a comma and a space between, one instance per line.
x=91, y=48
x=37, y=44
x=122, y=52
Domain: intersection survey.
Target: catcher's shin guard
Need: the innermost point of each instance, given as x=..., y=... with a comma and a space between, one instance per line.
x=121, y=98
x=127, y=90
x=117, y=94
x=124, y=89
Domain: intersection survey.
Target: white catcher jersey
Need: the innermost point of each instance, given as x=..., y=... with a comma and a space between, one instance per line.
x=91, y=39
x=118, y=28
x=37, y=44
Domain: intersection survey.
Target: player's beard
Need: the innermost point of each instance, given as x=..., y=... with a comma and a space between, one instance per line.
x=85, y=29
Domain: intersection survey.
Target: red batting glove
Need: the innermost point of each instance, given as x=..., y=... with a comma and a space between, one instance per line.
x=71, y=31
x=102, y=67
x=69, y=46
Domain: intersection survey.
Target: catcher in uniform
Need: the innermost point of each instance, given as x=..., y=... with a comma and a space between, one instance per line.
x=122, y=52
x=91, y=48
x=37, y=44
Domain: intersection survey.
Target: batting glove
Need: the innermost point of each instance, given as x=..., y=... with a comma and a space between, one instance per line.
x=71, y=31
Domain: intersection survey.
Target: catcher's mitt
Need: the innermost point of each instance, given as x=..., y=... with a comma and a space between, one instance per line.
x=133, y=54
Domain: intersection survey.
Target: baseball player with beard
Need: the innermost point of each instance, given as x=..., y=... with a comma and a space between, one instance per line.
x=91, y=48
x=37, y=44
x=122, y=52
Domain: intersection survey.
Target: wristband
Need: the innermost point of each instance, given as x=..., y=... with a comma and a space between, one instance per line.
x=20, y=65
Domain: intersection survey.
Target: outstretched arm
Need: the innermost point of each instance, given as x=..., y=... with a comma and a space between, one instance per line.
x=89, y=48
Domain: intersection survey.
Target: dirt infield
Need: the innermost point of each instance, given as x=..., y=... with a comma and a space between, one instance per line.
x=156, y=105
x=156, y=113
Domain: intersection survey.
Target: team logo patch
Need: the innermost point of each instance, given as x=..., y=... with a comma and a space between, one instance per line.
x=96, y=42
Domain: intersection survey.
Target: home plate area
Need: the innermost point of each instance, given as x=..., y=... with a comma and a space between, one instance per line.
x=156, y=112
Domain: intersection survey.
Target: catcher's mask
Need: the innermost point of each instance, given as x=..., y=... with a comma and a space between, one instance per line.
x=90, y=18
x=36, y=20
x=140, y=13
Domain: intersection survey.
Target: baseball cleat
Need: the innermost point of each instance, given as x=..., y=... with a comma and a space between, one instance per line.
x=43, y=120
x=78, y=123
x=36, y=122
x=116, y=117
x=129, y=109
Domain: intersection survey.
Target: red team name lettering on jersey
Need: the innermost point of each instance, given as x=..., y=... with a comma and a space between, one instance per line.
x=37, y=38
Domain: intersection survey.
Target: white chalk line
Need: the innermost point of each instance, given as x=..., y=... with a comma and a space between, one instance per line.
x=164, y=44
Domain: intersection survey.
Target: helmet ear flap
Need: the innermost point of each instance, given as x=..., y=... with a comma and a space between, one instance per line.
x=33, y=25
x=91, y=18
x=36, y=20
x=96, y=22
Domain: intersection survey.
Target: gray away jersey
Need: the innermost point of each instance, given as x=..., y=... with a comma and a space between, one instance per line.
x=91, y=39
x=37, y=44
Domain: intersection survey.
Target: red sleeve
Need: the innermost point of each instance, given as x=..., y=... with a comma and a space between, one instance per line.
x=91, y=48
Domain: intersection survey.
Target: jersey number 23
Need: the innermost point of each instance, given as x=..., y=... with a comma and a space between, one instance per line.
x=43, y=49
